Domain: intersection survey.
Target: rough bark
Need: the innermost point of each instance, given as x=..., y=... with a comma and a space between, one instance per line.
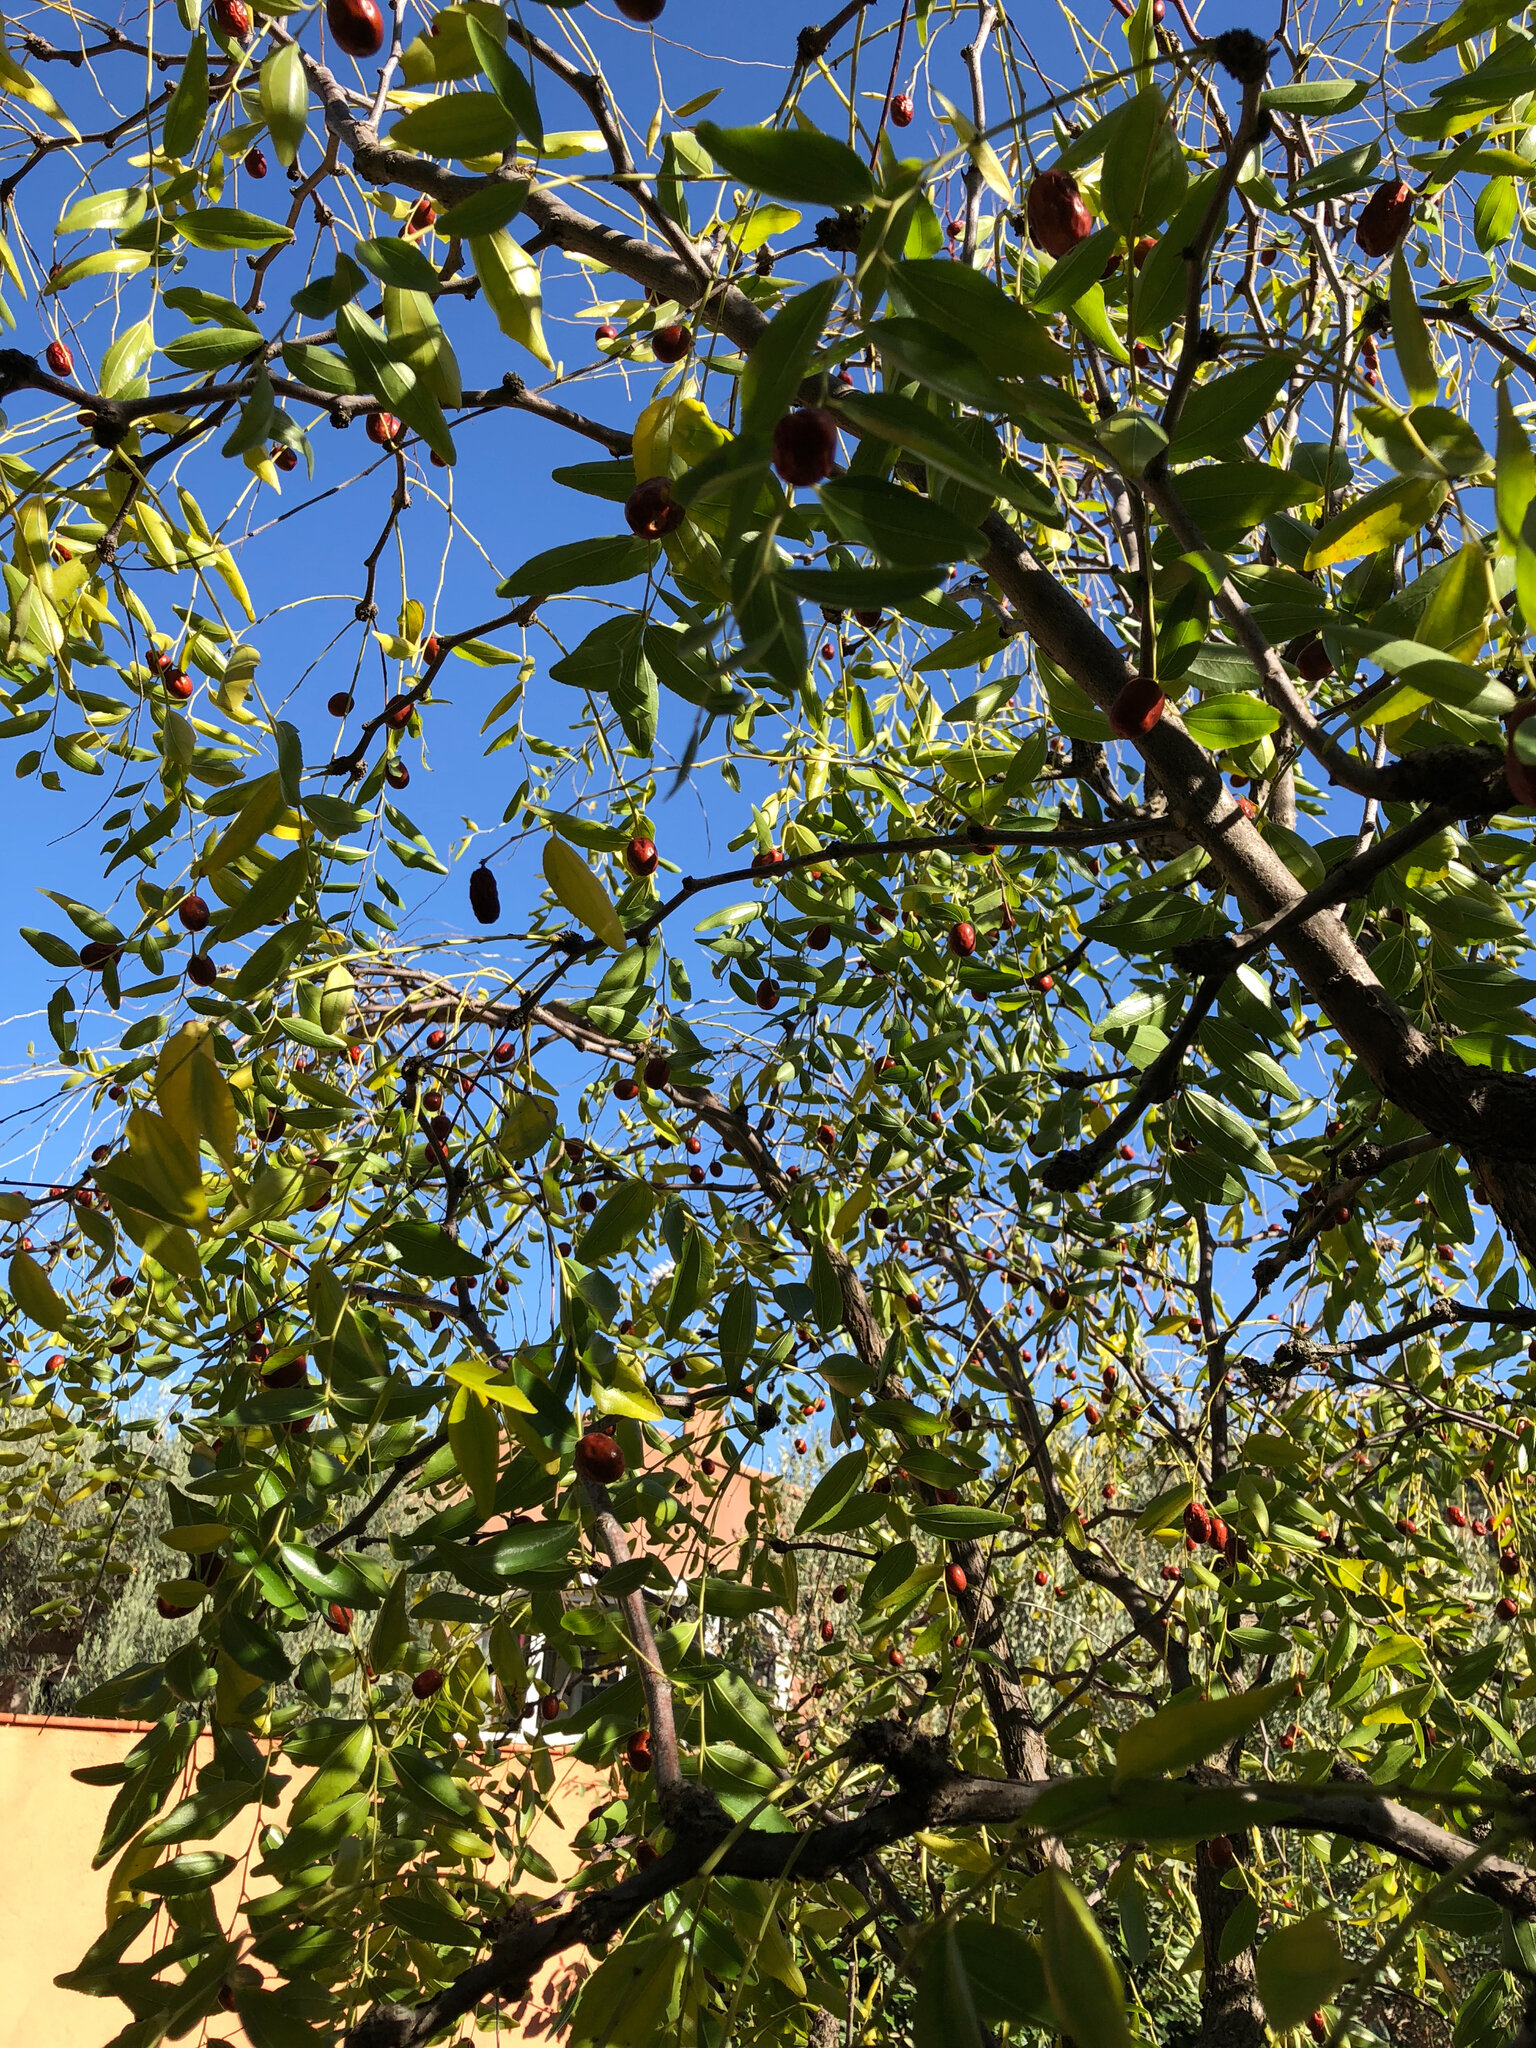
x=1230, y=2013
x=1490, y=1118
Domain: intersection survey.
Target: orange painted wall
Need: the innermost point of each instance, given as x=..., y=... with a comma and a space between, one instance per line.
x=52, y=1904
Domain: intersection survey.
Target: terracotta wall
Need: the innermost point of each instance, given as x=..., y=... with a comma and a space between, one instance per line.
x=52, y=1904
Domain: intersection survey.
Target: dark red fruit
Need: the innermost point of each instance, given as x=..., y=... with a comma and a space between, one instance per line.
x=427, y=1682
x=202, y=970
x=637, y=1751
x=396, y=774
x=1384, y=219
x=1137, y=708
x=423, y=214
x=255, y=163
x=1044, y=982
x=771, y=857
x=338, y=704
x=285, y=459
x=805, y=445
x=641, y=857
x=98, y=952
x=955, y=1579
x=818, y=936
x=383, y=428
x=193, y=913
x=896, y=1660
x=356, y=25
x=484, y=896
x=670, y=344
x=168, y=1610
x=767, y=994
x=962, y=940
x=338, y=1618
x=1312, y=660
x=652, y=511
x=233, y=19
x=902, y=110
x=607, y=332
x=1507, y=1608
x=1197, y=1523
x=600, y=1458
x=658, y=1071
x=640, y=10
x=179, y=684
x=1058, y=219
x=58, y=358
x=827, y=1631
x=549, y=1706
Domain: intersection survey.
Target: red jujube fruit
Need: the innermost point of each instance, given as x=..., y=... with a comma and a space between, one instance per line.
x=1137, y=708
x=357, y=25
x=1384, y=219
x=1058, y=219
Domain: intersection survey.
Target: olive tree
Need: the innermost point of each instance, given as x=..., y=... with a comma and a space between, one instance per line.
x=1067, y=522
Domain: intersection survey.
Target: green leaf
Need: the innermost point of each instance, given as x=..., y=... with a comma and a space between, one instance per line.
x=1514, y=484
x=1080, y=1975
x=1144, y=175
x=617, y=1223
x=1221, y=412
x=691, y=1278
x=1322, y=95
x=1410, y=335
x=833, y=1491
x=507, y=82
x=397, y=262
x=484, y=211
x=581, y=565
x=782, y=355
x=285, y=100
x=612, y=662
x=230, y=227
x=861, y=590
x=1006, y=1977
x=432, y=1252
x=910, y=424
x=944, y=2012
x=798, y=164
x=967, y=304
x=955, y=1521
x=458, y=124
x=738, y=1328
x=185, y=114
x=1182, y=1734
x=1236, y=719
x=212, y=348
x=903, y=528
x=1299, y=1967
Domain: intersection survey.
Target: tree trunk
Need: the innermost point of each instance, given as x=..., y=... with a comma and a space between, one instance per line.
x=1230, y=2013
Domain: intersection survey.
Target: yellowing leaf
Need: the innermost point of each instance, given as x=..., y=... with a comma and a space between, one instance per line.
x=193, y=1095
x=1383, y=517
x=1080, y=1975
x=582, y=894
x=1182, y=1734
x=32, y=1292
x=509, y=278
x=474, y=1436
x=1299, y=1967
x=486, y=1381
